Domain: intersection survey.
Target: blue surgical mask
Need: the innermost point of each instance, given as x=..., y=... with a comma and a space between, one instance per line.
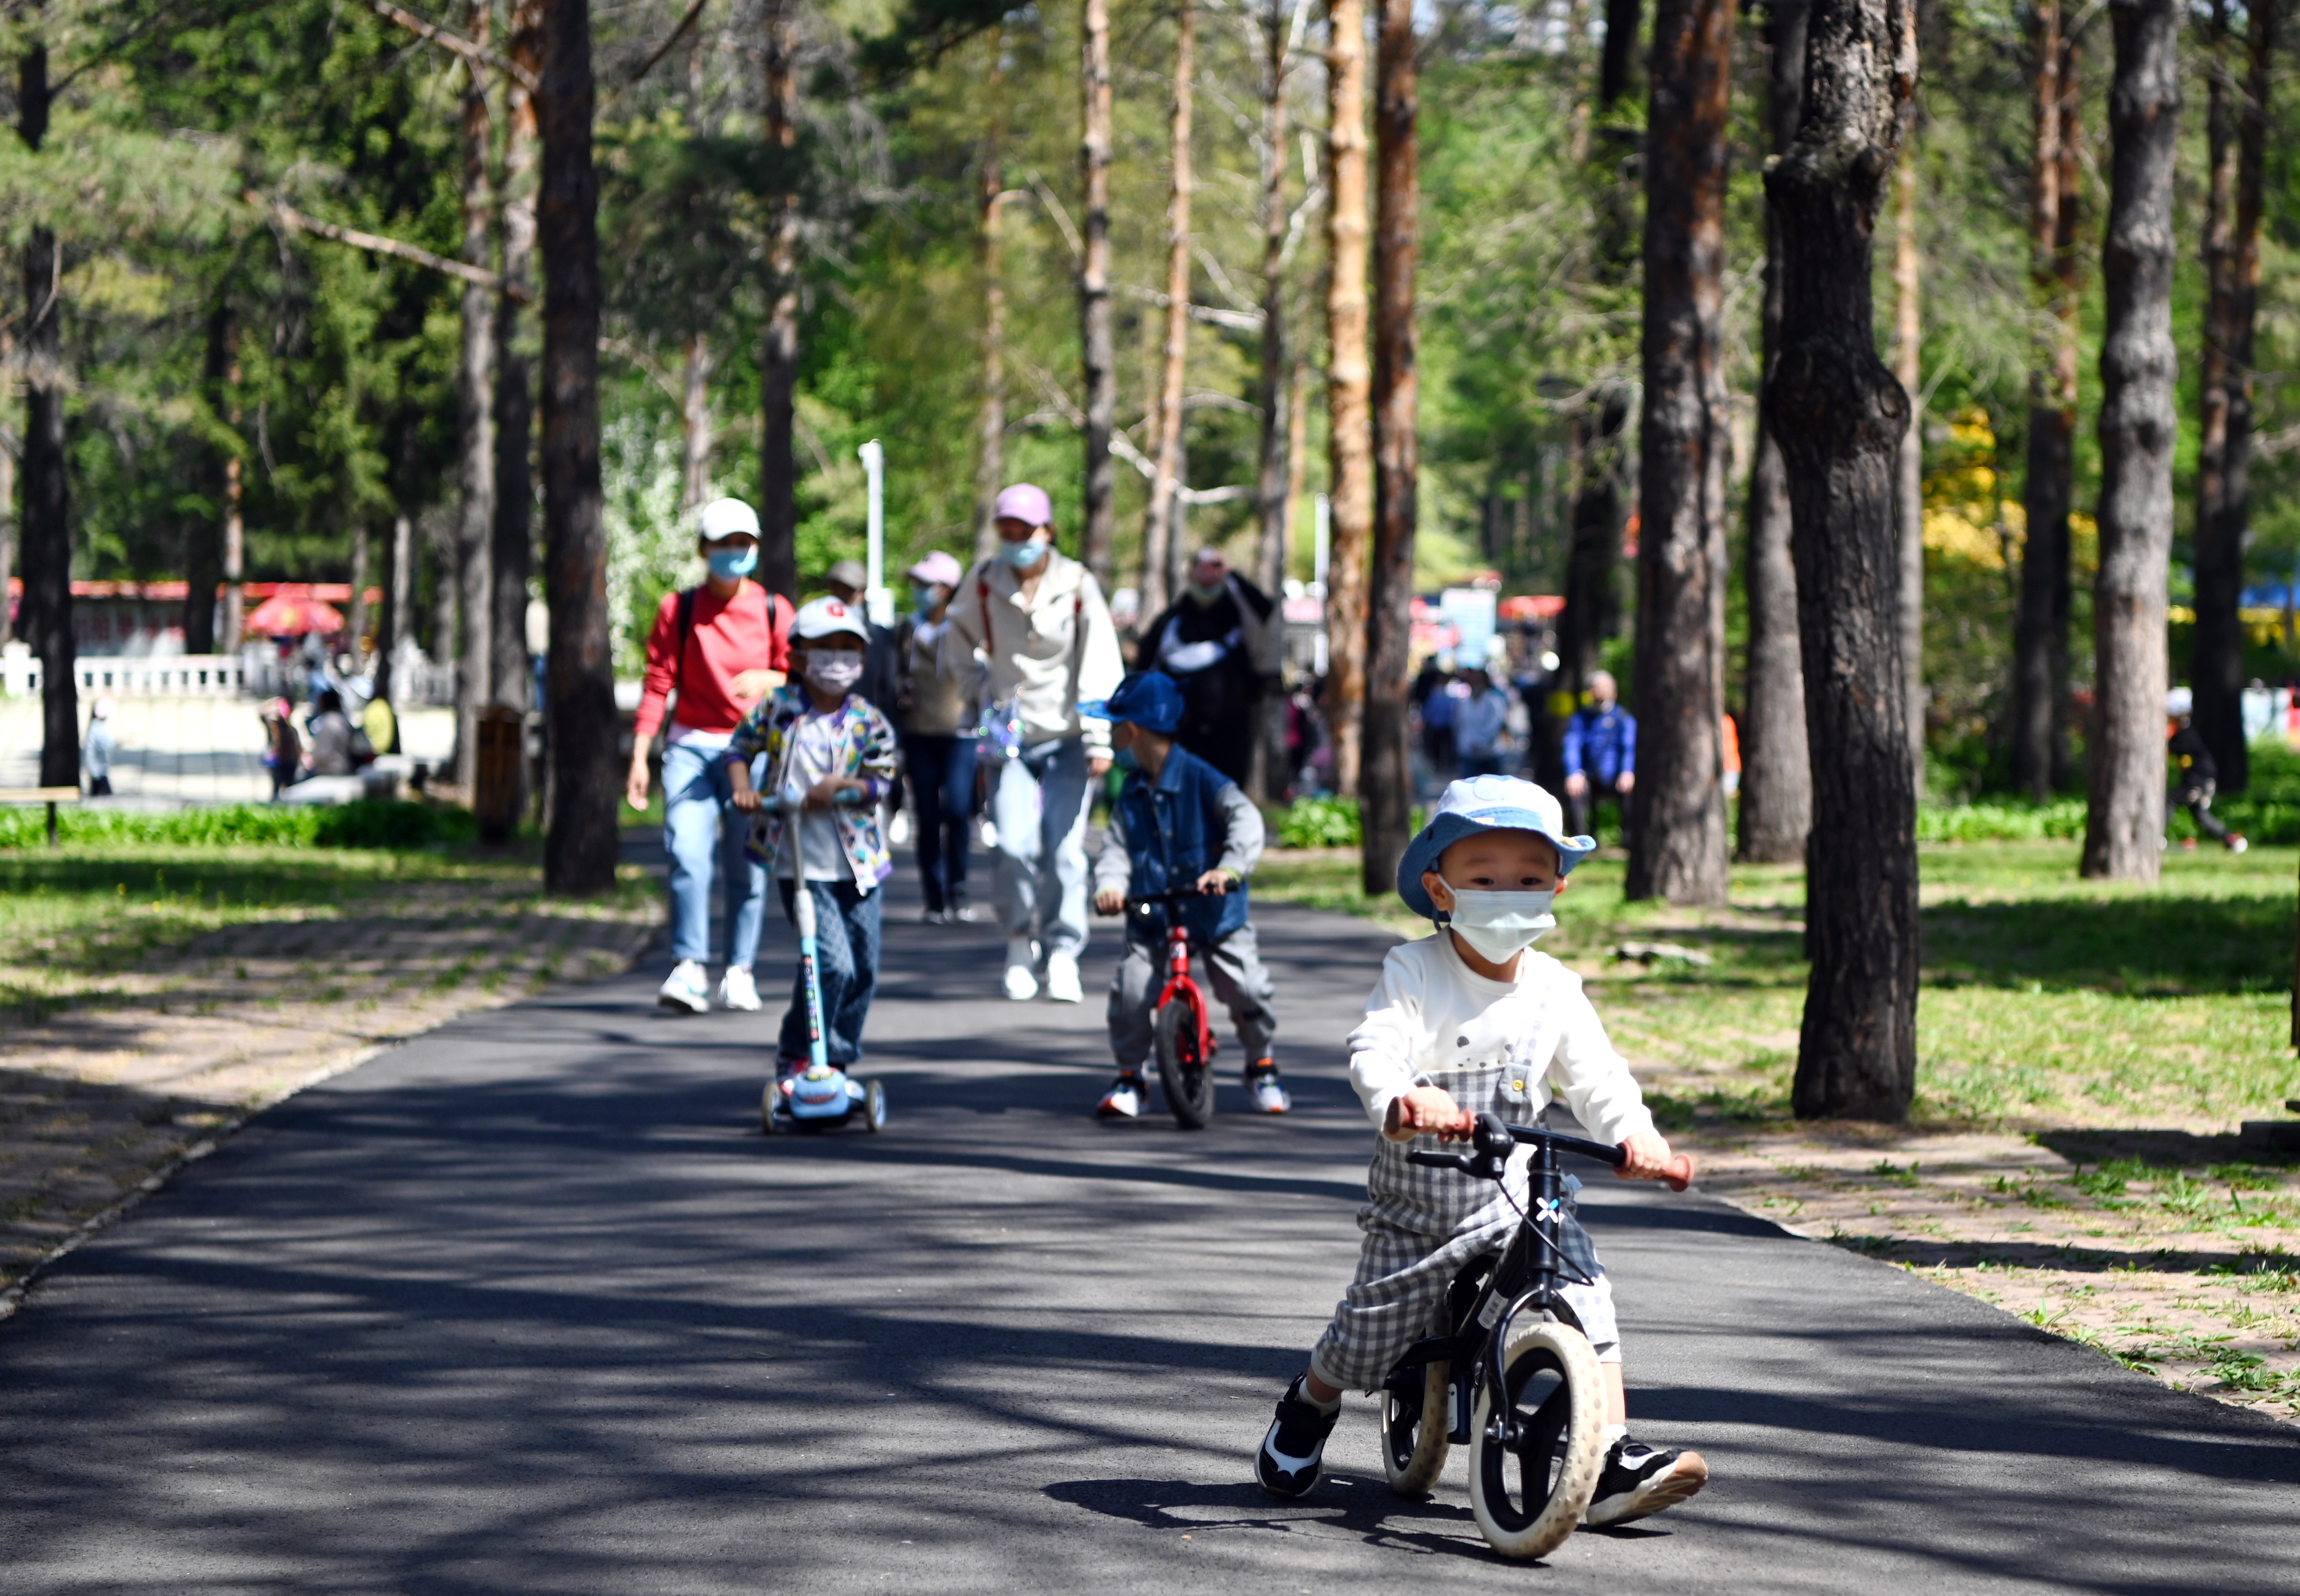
x=925, y=596
x=1125, y=761
x=1022, y=555
x=726, y=564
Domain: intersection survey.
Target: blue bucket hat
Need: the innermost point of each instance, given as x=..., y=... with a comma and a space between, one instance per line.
x=1148, y=698
x=1486, y=803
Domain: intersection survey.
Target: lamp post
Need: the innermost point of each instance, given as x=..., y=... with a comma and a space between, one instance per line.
x=878, y=603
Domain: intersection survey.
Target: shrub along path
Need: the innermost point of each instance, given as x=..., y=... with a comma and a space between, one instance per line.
x=2085, y=1055
x=153, y=995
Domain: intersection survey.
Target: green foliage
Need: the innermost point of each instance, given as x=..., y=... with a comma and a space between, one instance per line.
x=1319, y=822
x=365, y=824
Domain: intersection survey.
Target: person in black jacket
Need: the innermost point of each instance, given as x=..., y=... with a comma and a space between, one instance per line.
x=1216, y=641
x=882, y=673
x=2194, y=777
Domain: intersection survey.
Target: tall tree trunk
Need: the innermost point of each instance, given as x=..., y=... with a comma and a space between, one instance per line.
x=1620, y=57
x=990, y=428
x=204, y=555
x=2040, y=626
x=514, y=539
x=356, y=613
x=475, y=380
x=1841, y=416
x=1683, y=568
x=7, y=484
x=2124, y=813
x=1576, y=53
x=1776, y=771
x=1273, y=487
x=398, y=579
x=1908, y=355
x=1386, y=782
x=1100, y=355
x=1161, y=538
x=1592, y=610
x=579, y=849
x=2238, y=131
x=45, y=547
x=1349, y=387
x=695, y=432
x=779, y=345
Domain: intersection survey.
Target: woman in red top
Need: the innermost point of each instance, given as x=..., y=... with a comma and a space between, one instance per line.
x=721, y=647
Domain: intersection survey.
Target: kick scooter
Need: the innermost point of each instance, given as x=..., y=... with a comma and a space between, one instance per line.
x=819, y=1096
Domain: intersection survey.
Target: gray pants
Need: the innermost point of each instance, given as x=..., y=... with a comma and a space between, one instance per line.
x=1233, y=968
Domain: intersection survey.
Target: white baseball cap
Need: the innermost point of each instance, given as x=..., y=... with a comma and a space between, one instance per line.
x=729, y=518
x=829, y=618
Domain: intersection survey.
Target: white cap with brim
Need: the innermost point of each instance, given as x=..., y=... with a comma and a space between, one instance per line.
x=728, y=518
x=829, y=618
x=1486, y=803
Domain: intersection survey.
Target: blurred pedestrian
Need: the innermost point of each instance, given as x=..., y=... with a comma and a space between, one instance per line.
x=283, y=750
x=936, y=713
x=1481, y=724
x=1434, y=694
x=97, y=751
x=330, y=733
x=882, y=668
x=2194, y=777
x=1039, y=618
x=1601, y=755
x=720, y=646
x=1217, y=643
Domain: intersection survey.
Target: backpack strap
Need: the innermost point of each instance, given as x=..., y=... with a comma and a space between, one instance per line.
x=686, y=632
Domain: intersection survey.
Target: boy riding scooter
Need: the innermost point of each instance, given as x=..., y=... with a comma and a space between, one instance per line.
x=1178, y=822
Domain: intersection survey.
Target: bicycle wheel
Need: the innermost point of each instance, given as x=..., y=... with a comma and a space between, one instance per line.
x=1530, y=1488
x=1189, y=1084
x=1414, y=1432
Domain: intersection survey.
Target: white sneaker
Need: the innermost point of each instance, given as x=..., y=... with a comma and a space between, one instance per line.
x=1123, y=1101
x=1062, y=978
x=1021, y=953
x=738, y=991
x=687, y=990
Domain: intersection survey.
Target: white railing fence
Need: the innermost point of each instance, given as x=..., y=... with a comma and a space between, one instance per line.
x=203, y=676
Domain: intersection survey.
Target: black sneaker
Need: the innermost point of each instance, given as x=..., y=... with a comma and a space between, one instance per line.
x=1288, y=1463
x=1638, y=1482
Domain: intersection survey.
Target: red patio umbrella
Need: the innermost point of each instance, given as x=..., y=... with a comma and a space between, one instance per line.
x=293, y=614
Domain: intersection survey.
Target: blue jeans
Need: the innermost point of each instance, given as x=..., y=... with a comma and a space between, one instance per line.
x=1038, y=804
x=846, y=963
x=702, y=832
x=942, y=799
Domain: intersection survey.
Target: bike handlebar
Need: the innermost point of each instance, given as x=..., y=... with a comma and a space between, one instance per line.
x=1180, y=894
x=1495, y=1141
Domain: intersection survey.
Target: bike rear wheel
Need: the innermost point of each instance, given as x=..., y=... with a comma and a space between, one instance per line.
x=1530, y=1486
x=1188, y=1078
x=1414, y=1441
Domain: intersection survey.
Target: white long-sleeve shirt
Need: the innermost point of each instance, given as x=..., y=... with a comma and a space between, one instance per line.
x=1051, y=655
x=1431, y=1014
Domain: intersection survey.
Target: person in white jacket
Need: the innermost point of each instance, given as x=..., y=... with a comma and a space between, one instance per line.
x=1040, y=622
x=1472, y=1020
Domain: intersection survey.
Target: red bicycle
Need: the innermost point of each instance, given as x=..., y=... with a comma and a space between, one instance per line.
x=1182, y=1038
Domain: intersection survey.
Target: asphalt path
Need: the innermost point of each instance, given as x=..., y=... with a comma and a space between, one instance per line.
x=528, y=1305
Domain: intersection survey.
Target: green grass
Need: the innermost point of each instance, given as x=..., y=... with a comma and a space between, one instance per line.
x=361, y=825
x=2046, y=999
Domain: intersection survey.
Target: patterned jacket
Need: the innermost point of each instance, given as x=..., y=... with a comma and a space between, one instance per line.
x=866, y=743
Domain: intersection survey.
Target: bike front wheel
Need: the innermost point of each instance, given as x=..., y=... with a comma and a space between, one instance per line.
x=1415, y=1426
x=1186, y=1077
x=1535, y=1451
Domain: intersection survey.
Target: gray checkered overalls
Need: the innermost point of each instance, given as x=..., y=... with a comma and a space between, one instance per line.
x=1422, y=1225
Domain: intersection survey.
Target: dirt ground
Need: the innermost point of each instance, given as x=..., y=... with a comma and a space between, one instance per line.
x=98, y=1100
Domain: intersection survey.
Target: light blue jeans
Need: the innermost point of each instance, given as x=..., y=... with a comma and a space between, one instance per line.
x=702, y=832
x=1038, y=806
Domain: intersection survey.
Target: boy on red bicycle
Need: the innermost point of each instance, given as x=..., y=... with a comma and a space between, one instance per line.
x=1178, y=822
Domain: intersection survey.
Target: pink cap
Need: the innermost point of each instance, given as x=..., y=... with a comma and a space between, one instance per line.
x=1026, y=504
x=937, y=566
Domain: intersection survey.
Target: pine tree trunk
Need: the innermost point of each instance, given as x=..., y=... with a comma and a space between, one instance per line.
x=778, y=343
x=694, y=429
x=2239, y=136
x=514, y=538
x=1620, y=57
x=1776, y=771
x=1279, y=400
x=1161, y=538
x=1840, y=416
x=2040, y=626
x=1349, y=387
x=45, y=547
x=579, y=849
x=1387, y=780
x=1683, y=568
x=7, y=484
x=356, y=612
x=1591, y=606
x=990, y=428
x=475, y=380
x=398, y=579
x=2124, y=817
x=203, y=553
x=1908, y=354
x=1095, y=333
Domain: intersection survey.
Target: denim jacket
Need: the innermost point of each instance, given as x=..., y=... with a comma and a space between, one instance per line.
x=1169, y=833
x=865, y=743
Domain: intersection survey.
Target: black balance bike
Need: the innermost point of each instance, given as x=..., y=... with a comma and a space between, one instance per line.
x=1515, y=1376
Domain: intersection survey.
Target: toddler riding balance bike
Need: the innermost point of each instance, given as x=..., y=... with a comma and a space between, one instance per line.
x=1515, y=1376
x=821, y=1096
x=1180, y=1037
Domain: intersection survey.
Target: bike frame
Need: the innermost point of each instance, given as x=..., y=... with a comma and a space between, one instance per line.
x=1179, y=983
x=1524, y=1278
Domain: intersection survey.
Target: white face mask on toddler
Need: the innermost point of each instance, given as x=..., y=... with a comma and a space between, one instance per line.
x=834, y=670
x=1500, y=926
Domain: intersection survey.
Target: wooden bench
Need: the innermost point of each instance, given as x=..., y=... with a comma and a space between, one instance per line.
x=51, y=797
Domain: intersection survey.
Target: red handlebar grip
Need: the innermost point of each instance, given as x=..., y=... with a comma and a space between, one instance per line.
x=1678, y=1173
